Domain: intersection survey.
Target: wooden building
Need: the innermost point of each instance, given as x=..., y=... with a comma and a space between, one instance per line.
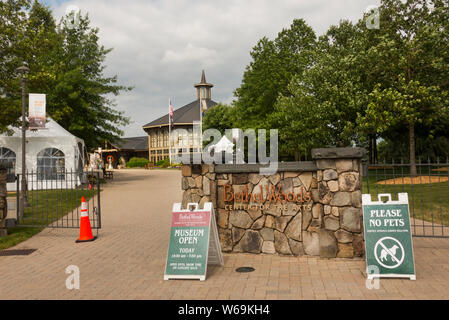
x=188, y=141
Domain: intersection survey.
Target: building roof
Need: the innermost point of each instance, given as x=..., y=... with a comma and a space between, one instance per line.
x=203, y=82
x=134, y=143
x=184, y=115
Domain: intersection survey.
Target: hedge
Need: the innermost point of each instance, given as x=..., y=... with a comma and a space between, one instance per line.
x=137, y=163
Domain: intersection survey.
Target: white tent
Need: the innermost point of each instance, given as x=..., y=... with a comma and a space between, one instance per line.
x=50, y=153
x=223, y=145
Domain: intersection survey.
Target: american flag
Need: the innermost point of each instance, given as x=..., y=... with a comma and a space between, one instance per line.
x=170, y=114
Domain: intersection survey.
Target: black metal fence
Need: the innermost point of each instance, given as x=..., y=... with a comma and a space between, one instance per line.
x=428, y=192
x=55, y=200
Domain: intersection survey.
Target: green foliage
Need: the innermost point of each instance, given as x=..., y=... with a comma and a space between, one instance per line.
x=67, y=64
x=17, y=235
x=363, y=84
x=220, y=117
x=163, y=163
x=12, y=33
x=273, y=65
x=137, y=162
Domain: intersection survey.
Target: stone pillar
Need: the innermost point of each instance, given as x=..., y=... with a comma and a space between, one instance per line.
x=3, y=194
x=339, y=195
x=198, y=184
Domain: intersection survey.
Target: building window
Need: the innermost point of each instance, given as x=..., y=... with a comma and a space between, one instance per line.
x=8, y=155
x=51, y=164
x=153, y=140
x=165, y=139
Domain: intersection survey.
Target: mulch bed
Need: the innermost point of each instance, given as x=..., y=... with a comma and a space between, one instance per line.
x=414, y=180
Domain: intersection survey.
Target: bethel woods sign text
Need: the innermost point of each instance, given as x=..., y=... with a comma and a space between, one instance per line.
x=273, y=194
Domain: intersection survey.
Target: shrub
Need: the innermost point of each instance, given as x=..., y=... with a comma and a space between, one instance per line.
x=163, y=163
x=137, y=163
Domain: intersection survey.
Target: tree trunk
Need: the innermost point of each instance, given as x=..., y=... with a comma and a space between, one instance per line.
x=375, y=149
x=297, y=155
x=412, y=149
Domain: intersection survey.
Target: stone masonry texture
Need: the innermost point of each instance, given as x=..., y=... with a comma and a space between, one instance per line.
x=311, y=208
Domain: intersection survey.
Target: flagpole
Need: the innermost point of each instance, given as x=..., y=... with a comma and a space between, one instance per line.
x=169, y=130
x=201, y=123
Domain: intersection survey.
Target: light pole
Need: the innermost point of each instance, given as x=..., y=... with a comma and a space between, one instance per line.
x=23, y=195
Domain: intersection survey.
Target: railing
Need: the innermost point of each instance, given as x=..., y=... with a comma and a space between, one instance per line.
x=428, y=192
x=56, y=202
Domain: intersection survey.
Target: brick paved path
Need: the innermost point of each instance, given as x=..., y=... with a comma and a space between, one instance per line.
x=128, y=259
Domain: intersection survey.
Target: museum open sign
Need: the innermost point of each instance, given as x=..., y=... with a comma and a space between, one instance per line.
x=193, y=243
x=388, y=238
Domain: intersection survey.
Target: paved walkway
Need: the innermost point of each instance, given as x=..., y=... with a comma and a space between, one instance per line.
x=128, y=259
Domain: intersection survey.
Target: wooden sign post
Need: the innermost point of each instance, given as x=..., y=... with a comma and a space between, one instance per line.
x=194, y=242
x=388, y=238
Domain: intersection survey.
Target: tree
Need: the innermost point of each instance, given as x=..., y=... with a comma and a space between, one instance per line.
x=220, y=117
x=273, y=65
x=12, y=29
x=321, y=105
x=413, y=38
x=67, y=64
x=79, y=101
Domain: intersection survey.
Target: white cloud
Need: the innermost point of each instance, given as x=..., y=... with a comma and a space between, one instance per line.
x=161, y=46
x=190, y=53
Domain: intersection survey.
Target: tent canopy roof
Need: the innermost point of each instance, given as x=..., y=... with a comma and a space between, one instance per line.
x=223, y=145
x=52, y=130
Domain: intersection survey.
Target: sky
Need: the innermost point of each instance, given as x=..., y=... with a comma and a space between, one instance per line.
x=160, y=47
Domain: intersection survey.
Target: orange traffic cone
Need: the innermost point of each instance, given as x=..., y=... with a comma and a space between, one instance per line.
x=85, y=230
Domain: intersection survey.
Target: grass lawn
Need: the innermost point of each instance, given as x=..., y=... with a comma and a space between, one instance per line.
x=46, y=206
x=16, y=235
x=429, y=201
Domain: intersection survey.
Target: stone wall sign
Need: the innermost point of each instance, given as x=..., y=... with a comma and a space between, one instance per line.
x=305, y=208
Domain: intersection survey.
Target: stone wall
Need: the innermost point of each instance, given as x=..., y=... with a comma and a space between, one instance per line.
x=3, y=194
x=311, y=207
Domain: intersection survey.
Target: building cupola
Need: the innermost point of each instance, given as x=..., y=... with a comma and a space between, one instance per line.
x=203, y=89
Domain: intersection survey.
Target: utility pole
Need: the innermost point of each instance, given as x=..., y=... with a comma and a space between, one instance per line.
x=23, y=195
